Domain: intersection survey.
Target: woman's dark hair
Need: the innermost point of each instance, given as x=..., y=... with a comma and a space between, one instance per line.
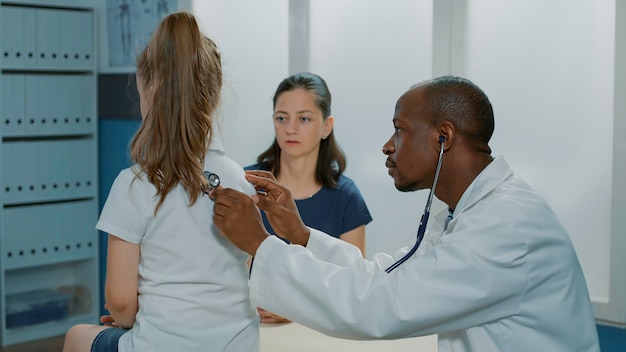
x=331, y=161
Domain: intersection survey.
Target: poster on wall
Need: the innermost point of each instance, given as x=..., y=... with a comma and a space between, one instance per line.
x=130, y=24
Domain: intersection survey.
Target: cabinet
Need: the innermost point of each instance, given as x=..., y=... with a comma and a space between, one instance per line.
x=48, y=176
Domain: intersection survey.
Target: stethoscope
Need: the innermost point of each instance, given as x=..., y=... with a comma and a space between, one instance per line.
x=213, y=181
x=424, y=220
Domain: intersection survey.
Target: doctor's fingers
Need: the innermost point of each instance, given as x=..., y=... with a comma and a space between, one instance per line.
x=229, y=200
x=271, y=318
x=263, y=181
x=260, y=179
x=239, y=220
x=285, y=220
x=269, y=187
x=273, y=208
x=262, y=174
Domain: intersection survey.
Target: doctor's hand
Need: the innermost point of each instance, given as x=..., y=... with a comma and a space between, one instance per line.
x=271, y=318
x=239, y=219
x=279, y=206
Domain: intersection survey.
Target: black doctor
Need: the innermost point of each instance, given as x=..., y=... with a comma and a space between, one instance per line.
x=496, y=271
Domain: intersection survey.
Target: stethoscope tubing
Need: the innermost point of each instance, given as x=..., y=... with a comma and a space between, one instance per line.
x=424, y=219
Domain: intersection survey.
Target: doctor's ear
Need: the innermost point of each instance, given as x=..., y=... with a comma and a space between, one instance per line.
x=446, y=134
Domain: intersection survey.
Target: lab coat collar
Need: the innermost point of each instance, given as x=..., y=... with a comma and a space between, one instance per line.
x=493, y=175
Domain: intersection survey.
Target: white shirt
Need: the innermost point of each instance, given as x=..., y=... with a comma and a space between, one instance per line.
x=504, y=277
x=193, y=293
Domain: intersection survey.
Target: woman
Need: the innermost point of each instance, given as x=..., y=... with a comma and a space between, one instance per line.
x=306, y=158
x=173, y=283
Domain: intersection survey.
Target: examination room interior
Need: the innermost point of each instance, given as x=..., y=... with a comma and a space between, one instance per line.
x=555, y=72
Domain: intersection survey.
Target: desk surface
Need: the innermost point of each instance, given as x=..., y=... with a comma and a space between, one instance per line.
x=295, y=337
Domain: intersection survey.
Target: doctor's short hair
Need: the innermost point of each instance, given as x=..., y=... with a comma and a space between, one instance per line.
x=464, y=104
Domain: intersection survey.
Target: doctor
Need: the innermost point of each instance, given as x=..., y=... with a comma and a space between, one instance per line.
x=495, y=271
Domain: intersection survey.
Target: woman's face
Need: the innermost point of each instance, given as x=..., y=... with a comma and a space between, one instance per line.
x=299, y=124
x=143, y=97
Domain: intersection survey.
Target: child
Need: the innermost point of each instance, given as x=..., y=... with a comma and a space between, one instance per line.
x=173, y=282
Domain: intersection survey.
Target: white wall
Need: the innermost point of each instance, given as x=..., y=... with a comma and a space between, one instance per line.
x=370, y=53
x=252, y=36
x=548, y=68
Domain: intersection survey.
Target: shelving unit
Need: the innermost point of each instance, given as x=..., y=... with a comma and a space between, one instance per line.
x=48, y=158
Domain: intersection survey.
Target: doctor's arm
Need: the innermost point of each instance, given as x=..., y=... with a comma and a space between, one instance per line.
x=443, y=290
x=356, y=237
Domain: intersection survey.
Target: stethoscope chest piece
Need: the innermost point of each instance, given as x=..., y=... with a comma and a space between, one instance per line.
x=213, y=181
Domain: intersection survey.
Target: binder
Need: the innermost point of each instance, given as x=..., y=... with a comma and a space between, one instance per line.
x=53, y=36
x=42, y=20
x=67, y=38
x=62, y=156
x=55, y=170
x=84, y=168
x=75, y=105
x=12, y=37
x=82, y=219
x=16, y=224
x=18, y=104
x=6, y=111
x=29, y=37
x=55, y=99
x=8, y=122
x=10, y=183
x=33, y=91
x=65, y=114
x=45, y=171
x=46, y=99
x=87, y=102
x=26, y=171
x=83, y=29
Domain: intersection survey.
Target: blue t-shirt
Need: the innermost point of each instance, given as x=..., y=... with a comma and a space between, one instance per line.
x=332, y=210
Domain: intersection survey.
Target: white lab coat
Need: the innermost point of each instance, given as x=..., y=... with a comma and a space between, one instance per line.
x=504, y=277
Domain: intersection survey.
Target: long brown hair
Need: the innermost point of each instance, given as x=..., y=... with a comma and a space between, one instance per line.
x=331, y=161
x=182, y=72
